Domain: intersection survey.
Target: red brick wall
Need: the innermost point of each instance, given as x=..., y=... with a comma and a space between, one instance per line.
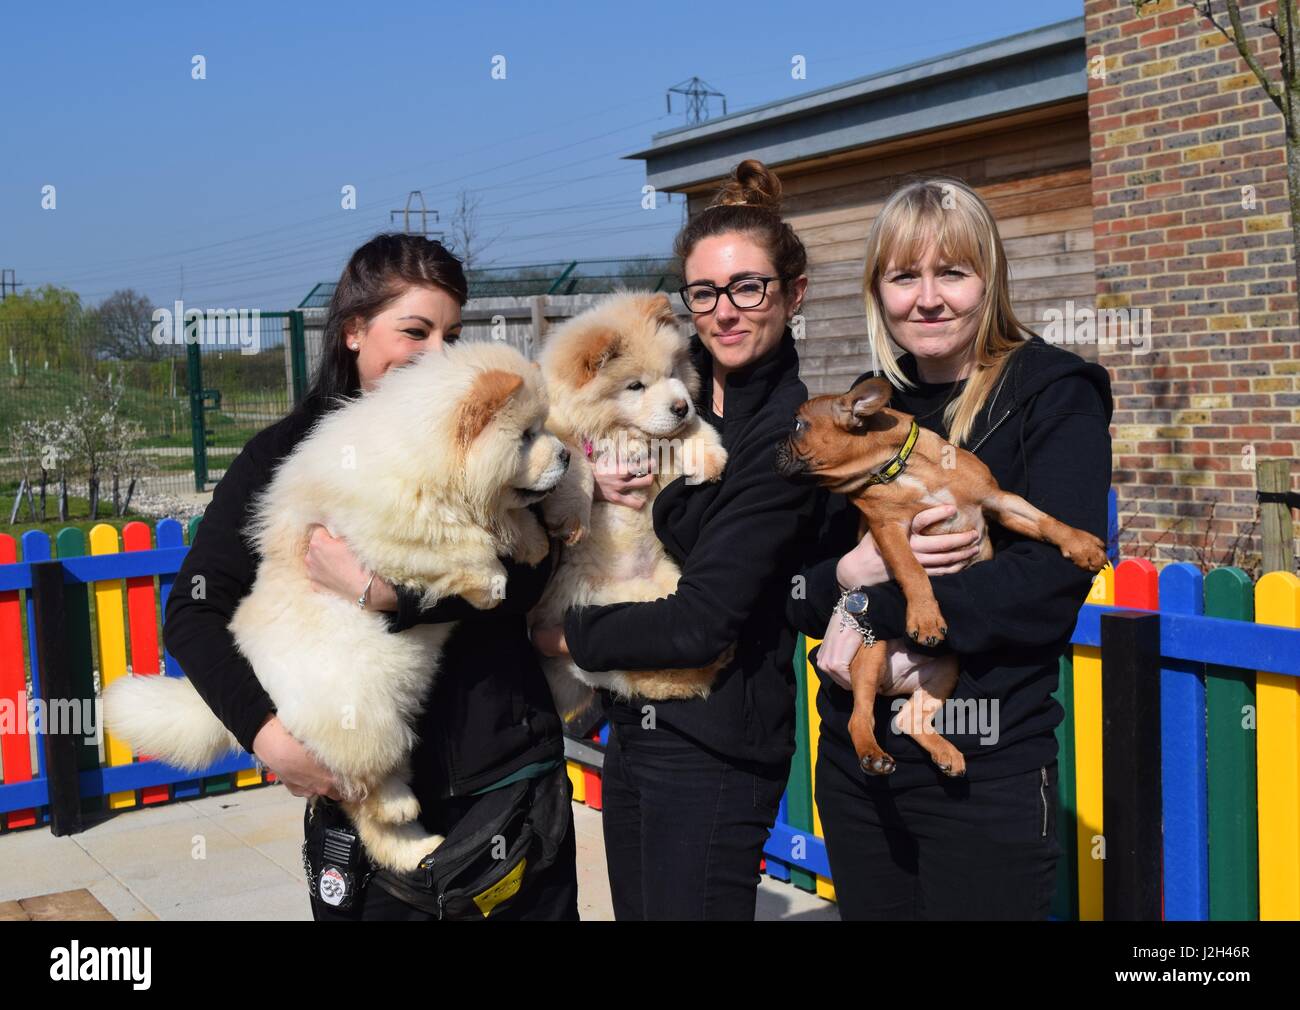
x=1179, y=127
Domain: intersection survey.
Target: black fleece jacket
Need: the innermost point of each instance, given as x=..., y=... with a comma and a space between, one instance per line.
x=739, y=542
x=490, y=712
x=1045, y=436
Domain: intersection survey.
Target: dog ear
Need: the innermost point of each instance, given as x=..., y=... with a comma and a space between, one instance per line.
x=601, y=348
x=659, y=309
x=489, y=393
x=860, y=402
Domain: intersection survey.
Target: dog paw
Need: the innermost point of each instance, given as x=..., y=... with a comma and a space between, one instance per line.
x=713, y=461
x=1086, y=551
x=950, y=760
x=483, y=597
x=925, y=625
x=398, y=809
x=878, y=763
x=871, y=758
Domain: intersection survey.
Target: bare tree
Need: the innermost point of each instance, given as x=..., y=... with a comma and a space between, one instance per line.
x=124, y=323
x=465, y=238
x=1284, y=93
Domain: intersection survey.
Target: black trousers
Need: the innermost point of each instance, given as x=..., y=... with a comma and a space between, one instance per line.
x=952, y=850
x=551, y=896
x=684, y=826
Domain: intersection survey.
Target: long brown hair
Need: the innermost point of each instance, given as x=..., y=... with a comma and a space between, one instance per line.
x=951, y=216
x=376, y=274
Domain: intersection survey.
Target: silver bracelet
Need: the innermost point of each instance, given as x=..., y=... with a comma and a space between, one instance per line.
x=365, y=593
x=855, y=622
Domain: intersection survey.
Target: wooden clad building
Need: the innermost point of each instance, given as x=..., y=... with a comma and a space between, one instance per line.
x=1009, y=118
x=1137, y=171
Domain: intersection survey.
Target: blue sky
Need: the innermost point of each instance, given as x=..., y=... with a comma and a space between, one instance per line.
x=231, y=185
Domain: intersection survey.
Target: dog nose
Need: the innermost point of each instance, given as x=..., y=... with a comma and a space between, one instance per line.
x=787, y=463
x=680, y=408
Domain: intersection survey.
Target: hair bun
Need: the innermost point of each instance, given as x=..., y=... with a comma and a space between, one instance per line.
x=751, y=184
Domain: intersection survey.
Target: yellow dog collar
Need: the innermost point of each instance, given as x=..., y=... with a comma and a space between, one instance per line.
x=899, y=463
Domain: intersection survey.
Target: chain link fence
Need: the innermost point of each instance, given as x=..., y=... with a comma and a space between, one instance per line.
x=148, y=418
x=79, y=416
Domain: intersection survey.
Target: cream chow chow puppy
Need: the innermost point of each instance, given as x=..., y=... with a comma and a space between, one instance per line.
x=622, y=390
x=428, y=478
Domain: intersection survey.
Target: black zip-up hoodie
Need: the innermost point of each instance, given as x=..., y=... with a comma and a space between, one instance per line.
x=739, y=542
x=1044, y=434
x=490, y=712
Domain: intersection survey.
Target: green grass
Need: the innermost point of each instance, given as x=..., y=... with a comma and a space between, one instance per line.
x=78, y=517
x=252, y=395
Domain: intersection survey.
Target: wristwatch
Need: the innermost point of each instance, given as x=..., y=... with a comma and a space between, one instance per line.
x=852, y=609
x=854, y=602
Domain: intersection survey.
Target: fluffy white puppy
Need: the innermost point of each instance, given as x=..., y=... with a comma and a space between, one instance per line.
x=621, y=384
x=428, y=478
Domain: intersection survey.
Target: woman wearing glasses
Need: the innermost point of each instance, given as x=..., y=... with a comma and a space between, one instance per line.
x=691, y=787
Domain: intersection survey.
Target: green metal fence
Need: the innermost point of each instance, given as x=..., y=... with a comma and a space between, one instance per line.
x=569, y=277
x=183, y=401
x=236, y=391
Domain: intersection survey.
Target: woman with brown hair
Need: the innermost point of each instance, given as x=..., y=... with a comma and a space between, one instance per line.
x=917, y=844
x=490, y=723
x=691, y=787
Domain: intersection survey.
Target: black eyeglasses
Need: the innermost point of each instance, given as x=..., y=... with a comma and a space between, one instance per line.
x=745, y=293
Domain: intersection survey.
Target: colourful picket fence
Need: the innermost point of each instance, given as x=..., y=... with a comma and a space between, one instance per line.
x=109, y=618
x=1216, y=833
x=1203, y=722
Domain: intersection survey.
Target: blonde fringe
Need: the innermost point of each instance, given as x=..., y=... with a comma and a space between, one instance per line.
x=913, y=218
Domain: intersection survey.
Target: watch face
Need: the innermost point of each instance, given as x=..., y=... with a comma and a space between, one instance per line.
x=855, y=603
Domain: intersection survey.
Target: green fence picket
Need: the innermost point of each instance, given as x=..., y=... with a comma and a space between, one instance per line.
x=1065, y=903
x=1230, y=752
x=798, y=795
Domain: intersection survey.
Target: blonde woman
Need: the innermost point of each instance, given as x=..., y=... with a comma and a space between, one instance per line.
x=917, y=844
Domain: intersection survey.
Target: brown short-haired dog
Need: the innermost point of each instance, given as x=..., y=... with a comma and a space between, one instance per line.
x=892, y=468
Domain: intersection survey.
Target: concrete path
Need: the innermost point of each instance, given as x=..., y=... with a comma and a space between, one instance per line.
x=238, y=857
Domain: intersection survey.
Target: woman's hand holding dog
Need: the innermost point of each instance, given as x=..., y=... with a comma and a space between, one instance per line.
x=622, y=487
x=550, y=641
x=333, y=568
x=841, y=644
x=939, y=554
x=292, y=763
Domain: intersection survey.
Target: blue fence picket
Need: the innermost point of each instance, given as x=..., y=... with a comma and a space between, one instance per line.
x=1184, y=783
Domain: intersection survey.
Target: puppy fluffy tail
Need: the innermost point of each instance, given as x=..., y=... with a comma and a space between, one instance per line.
x=165, y=718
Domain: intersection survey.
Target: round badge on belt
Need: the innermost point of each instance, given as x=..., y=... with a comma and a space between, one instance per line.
x=335, y=885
